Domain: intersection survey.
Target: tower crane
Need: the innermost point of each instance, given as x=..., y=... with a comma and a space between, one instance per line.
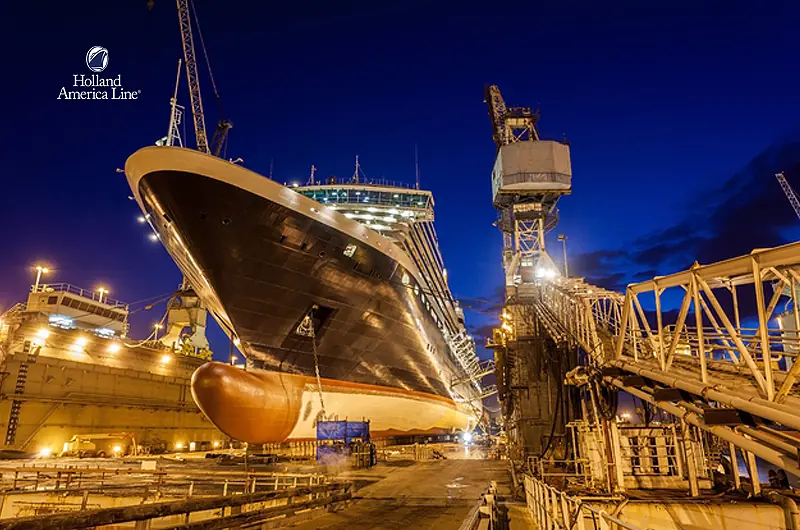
x=189, y=56
x=790, y=194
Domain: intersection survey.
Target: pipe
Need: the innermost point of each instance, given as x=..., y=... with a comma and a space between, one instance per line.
x=777, y=443
x=791, y=511
x=754, y=405
x=725, y=433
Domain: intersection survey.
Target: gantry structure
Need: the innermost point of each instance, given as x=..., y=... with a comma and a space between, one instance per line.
x=719, y=372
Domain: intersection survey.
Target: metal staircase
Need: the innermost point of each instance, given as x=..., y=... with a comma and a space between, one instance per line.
x=19, y=389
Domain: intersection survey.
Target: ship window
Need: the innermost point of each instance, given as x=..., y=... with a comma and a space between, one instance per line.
x=52, y=300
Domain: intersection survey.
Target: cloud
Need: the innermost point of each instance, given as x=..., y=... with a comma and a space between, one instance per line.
x=746, y=211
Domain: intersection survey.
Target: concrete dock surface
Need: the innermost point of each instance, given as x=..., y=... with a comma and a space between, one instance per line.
x=435, y=494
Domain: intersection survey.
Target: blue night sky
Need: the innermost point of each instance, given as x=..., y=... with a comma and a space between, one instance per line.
x=678, y=118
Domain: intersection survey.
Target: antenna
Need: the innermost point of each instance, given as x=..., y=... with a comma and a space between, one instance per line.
x=416, y=164
x=173, y=134
x=311, y=178
x=271, y=160
x=355, y=175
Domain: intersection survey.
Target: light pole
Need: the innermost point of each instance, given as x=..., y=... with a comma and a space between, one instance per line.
x=39, y=271
x=102, y=291
x=156, y=327
x=563, y=239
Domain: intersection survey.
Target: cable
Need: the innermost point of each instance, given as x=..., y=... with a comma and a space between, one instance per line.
x=205, y=54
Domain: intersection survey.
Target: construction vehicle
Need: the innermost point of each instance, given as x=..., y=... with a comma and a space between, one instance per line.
x=101, y=445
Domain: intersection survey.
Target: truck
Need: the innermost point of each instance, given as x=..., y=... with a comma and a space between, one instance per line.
x=100, y=445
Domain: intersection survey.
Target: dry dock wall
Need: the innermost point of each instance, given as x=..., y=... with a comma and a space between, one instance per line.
x=61, y=398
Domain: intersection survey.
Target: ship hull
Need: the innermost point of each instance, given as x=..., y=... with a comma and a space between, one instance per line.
x=265, y=407
x=262, y=258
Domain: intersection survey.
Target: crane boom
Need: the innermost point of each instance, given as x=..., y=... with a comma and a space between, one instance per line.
x=509, y=124
x=191, y=75
x=790, y=194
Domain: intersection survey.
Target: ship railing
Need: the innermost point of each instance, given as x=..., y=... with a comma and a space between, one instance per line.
x=72, y=289
x=364, y=182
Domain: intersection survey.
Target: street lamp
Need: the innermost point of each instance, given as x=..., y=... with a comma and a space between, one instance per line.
x=101, y=291
x=39, y=271
x=563, y=239
x=156, y=327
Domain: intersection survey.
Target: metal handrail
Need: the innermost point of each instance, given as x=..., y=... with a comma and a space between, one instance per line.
x=73, y=289
x=553, y=508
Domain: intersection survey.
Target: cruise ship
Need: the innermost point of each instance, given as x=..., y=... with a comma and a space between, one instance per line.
x=334, y=292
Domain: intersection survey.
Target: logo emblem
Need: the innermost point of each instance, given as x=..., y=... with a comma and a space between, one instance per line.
x=97, y=58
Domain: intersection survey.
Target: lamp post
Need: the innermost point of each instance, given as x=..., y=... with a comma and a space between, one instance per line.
x=102, y=291
x=156, y=327
x=563, y=239
x=39, y=271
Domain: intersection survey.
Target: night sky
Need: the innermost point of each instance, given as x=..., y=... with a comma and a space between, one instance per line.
x=677, y=117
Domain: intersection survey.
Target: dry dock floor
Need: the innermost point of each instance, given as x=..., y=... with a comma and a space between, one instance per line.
x=422, y=495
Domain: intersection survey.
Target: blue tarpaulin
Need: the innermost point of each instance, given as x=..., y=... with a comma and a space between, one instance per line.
x=343, y=431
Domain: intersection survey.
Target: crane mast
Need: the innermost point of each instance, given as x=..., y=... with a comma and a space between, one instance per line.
x=790, y=194
x=191, y=75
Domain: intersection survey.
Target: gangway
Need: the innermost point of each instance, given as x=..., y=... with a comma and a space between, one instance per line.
x=734, y=381
x=484, y=368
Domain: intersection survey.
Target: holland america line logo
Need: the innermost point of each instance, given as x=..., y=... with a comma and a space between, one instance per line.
x=97, y=59
x=95, y=86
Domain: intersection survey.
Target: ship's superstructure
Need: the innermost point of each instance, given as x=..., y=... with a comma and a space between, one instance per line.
x=336, y=294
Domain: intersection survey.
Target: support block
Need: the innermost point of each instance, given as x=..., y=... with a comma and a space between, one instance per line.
x=722, y=417
x=668, y=394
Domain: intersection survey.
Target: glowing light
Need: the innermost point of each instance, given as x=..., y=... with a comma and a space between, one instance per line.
x=45, y=452
x=545, y=272
x=216, y=444
x=166, y=358
x=467, y=437
x=43, y=333
x=102, y=291
x=43, y=270
x=153, y=237
x=114, y=347
x=192, y=446
x=65, y=447
x=117, y=449
x=178, y=445
x=236, y=341
x=81, y=341
x=295, y=184
x=141, y=219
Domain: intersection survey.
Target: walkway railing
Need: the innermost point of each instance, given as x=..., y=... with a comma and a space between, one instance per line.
x=97, y=296
x=553, y=509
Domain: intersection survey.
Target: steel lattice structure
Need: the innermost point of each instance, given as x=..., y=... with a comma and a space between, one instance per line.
x=703, y=365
